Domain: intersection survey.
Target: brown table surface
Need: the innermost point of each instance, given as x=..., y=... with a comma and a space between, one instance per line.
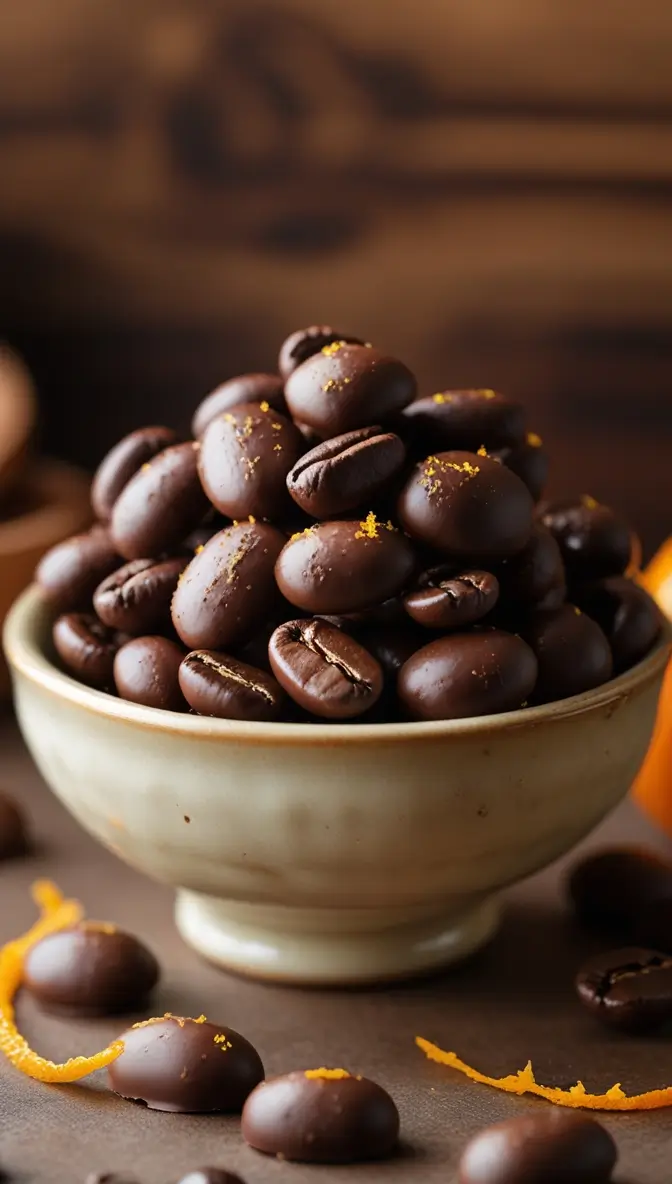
x=512, y=1002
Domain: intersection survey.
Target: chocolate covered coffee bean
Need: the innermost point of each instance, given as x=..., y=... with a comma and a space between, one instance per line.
x=468, y=674
x=122, y=462
x=321, y=1116
x=70, y=572
x=146, y=671
x=467, y=420
x=136, y=598
x=348, y=386
x=342, y=567
x=244, y=388
x=160, y=504
x=465, y=505
x=528, y=460
x=446, y=599
x=245, y=457
x=228, y=590
x=345, y=472
x=547, y=1147
x=629, y=617
x=534, y=574
x=90, y=970
x=595, y=542
x=572, y=652
x=625, y=893
x=628, y=989
x=218, y=685
x=304, y=343
x=324, y=670
x=87, y=648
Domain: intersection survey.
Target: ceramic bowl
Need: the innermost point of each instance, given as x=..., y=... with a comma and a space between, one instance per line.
x=330, y=854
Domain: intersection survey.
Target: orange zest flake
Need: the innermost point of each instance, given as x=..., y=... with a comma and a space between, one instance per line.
x=326, y=1074
x=300, y=534
x=482, y=451
x=442, y=398
x=370, y=526
x=486, y=394
x=533, y=440
x=589, y=502
x=576, y=1097
x=333, y=348
x=264, y=406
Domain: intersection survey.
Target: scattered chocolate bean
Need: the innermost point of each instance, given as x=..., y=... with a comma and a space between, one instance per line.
x=146, y=671
x=324, y=670
x=446, y=599
x=626, y=613
x=528, y=461
x=305, y=343
x=467, y=420
x=244, y=388
x=468, y=674
x=346, y=472
x=572, y=652
x=348, y=386
x=13, y=830
x=549, y=1147
x=87, y=648
x=625, y=893
x=90, y=970
x=246, y=454
x=628, y=989
x=160, y=505
x=70, y=572
x=123, y=462
x=136, y=598
x=221, y=686
x=535, y=573
x=595, y=542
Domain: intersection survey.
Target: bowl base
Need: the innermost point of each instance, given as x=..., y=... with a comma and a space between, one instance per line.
x=334, y=947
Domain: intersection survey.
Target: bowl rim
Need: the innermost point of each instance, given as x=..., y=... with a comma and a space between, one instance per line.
x=25, y=656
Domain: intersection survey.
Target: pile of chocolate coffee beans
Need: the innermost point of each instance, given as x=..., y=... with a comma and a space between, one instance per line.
x=329, y=546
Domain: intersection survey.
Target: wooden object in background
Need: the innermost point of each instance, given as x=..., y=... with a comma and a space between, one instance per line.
x=18, y=413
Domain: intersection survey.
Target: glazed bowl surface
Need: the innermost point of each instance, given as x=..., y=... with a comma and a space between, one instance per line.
x=330, y=854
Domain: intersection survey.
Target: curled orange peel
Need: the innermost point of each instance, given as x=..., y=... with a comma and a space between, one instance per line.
x=576, y=1097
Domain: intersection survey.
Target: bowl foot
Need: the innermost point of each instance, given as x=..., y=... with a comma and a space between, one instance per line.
x=320, y=947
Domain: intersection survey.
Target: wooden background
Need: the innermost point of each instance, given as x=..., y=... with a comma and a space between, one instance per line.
x=482, y=186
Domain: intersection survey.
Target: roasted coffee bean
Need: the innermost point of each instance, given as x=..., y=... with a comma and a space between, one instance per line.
x=123, y=462
x=87, y=648
x=146, y=671
x=321, y=1116
x=186, y=1066
x=548, y=1147
x=70, y=572
x=595, y=542
x=342, y=567
x=13, y=830
x=446, y=599
x=305, y=343
x=345, y=472
x=348, y=386
x=221, y=686
x=245, y=457
x=466, y=505
x=136, y=598
x=90, y=970
x=211, y=1176
x=468, y=674
x=629, y=989
x=572, y=652
x=625, y=893
x=244, y=388
x=626, y=613
x=160, y=505
x=228, y=590
x=528, y=461
x=324, y=670
x=466, y=420
x=536, y=573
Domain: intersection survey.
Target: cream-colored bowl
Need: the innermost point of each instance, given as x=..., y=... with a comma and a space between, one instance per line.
x=330, y=854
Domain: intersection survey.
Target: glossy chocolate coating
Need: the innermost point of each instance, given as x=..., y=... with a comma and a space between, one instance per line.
x=160, y=505
x=313, y=1118
x=446, y=599
x=228, y=590
x=13, y=829
x=345, y=472
x=122, y=462
x=246, y=454
x=146, y=671
x=628, y=989
x=546, y=1147
x=348, y=386
x=304, y=343
x=91, y=970
x=466, y=505
x=392, y=645
x=572, y=652
x=468, y=674
x=244, y=388
x=218, y=685
x=342, y=567
x=324, y=670
x=595, y=542
x=625, y=893
x=186, y=1066
x=70, y=572
x=626, y=613
x=536, y=573
x=136, y=598
x=528, y=460
x=87, y=648
x=467, y=420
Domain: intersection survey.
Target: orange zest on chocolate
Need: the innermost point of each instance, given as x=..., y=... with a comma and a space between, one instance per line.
x=576, y=1097
x=326, y=1074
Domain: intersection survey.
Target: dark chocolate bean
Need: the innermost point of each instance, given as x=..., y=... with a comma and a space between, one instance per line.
x=136, y=598
x=468, y=674
x=70, y=572
x=466, y=505
x=548, y=1147
x=87, y=648
x=595, y=542
x=218, y=685
x=304, y=343
x=321, y=1116
x=210, y=1176
x=122, y=462
x=13, y=830
x=90, y=970
x=348, y=386
x=626, y=613
x=345, y=472
x=244, y=388
x=446, y=599
x=572, y=652
x=528, y=461
x=625, y=893
x=628, y=989
x=324, y=670
x=535, y=573
x=342, y=567
x=228, y=590
x=186, y=1066
x=146, y=671
x=246, y=454
x=160, y=505
x=466, y=420
x=392, y=646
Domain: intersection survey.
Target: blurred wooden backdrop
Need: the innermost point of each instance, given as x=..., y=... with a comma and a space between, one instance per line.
x=482, y=186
